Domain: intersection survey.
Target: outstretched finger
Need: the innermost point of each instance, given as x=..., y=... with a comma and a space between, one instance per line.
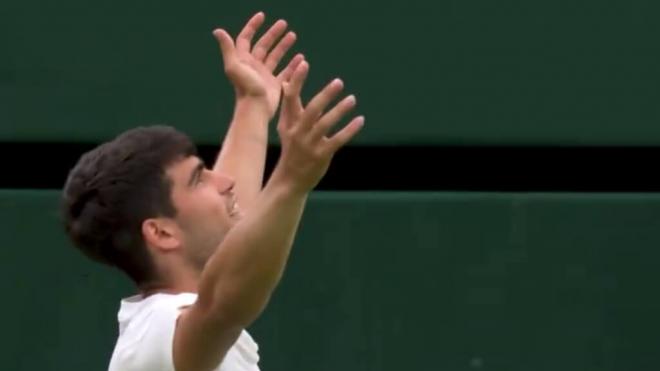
x=345, y=135
x=226, y=45
x=244, y=38
x=317, y=105
x=275, y=56
x=333, y=116
x=266, y=42
x=287, y=72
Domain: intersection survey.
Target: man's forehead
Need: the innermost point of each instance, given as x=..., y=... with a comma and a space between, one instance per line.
x=181, y=168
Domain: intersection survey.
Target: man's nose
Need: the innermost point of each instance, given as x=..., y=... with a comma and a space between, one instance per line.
x=224, y=182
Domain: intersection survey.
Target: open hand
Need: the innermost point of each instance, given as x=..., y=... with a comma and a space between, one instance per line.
x=307, y=149
x=251, y=69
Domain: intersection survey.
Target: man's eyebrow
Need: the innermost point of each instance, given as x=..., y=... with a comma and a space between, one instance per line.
x=195, y=173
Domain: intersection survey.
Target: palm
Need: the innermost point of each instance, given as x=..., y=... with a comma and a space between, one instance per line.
x=251, y=78
x=251, y=69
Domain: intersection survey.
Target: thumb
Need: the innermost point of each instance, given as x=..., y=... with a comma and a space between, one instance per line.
x=226, y=44
x=288, y=100
x=290, y=106
x=286, y=89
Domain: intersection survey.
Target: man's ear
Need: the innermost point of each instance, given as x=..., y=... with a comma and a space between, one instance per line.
x=161, y=234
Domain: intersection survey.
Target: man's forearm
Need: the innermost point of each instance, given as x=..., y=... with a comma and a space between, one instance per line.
x=243, y=152
x=238, y=280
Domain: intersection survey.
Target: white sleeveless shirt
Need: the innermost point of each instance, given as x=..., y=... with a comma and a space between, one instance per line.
x=146, y=334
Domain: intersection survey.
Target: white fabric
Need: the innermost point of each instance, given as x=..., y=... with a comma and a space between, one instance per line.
x=146, y=332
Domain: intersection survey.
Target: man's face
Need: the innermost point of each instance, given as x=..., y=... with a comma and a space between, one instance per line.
x=206, y=207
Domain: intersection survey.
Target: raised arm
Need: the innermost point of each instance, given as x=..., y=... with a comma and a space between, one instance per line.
x=240, y=277
x=251, y=70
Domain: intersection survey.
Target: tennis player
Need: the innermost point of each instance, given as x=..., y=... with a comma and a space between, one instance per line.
x=206, y=247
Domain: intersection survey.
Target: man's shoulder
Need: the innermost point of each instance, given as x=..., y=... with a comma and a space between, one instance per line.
x=146, y=330
x=147, y=327
x=135, y=304
x=138, y=309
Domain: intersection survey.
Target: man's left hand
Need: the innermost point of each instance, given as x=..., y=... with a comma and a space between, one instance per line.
x=251, y=69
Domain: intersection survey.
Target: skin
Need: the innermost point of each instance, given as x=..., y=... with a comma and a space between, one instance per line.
x=258, y=87
x=238, y=171
x=232, y=256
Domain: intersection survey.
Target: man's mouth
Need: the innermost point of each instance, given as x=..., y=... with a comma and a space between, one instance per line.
x=233, y=206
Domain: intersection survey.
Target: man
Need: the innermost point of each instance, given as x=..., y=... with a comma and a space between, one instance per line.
x=205, y=266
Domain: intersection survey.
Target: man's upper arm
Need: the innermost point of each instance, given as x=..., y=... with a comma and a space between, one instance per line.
x=201, y=340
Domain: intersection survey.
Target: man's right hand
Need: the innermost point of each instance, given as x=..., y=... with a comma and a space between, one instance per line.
x=307, y=150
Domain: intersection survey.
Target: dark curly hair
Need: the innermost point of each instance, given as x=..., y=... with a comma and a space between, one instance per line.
x=114, y=188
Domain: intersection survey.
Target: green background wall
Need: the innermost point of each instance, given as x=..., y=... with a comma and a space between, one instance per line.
x=378, y=280
x=388, y=281
x=425, y=72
